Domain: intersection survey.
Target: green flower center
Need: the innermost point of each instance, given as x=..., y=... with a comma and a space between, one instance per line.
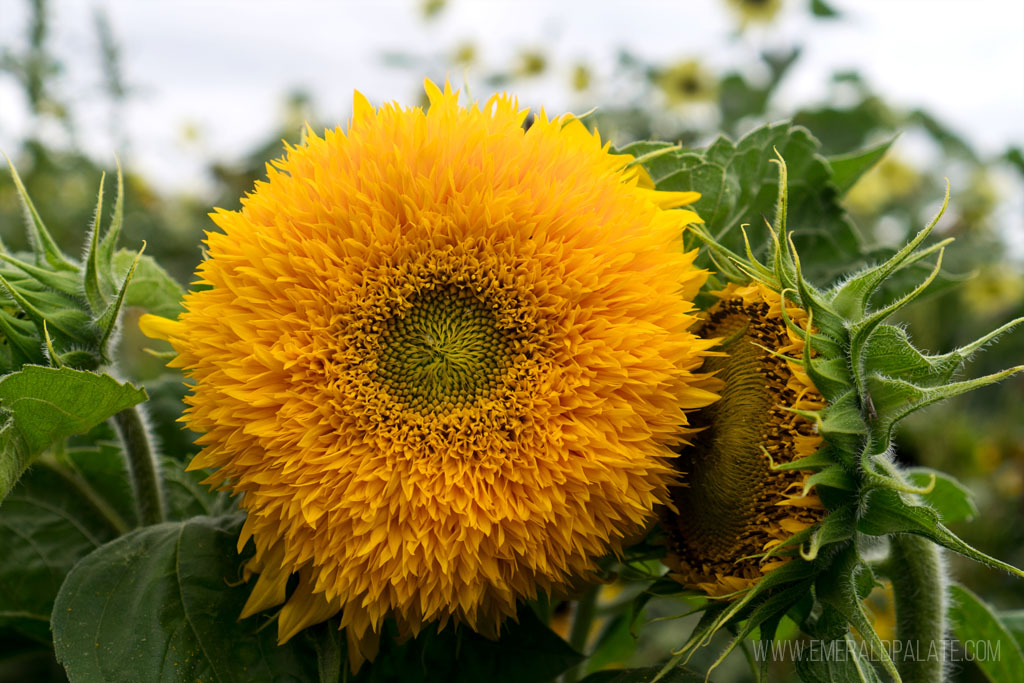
x=443, y=352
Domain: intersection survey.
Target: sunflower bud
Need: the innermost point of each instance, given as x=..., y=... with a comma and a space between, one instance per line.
x=792, y=479
x=53, y=309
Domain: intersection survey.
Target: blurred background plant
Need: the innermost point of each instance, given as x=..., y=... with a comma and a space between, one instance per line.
x=688, y=99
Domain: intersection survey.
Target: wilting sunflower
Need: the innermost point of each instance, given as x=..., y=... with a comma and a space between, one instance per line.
x=792, y=502
x=445, y=360
x=734, y=504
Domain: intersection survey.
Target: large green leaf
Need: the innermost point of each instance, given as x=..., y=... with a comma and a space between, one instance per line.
x=162, y=604
x=40, y=406
x=57, y=514
x=987, y=641
x=847, y=169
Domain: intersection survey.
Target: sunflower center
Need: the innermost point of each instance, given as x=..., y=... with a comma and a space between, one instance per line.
x=443, y=352
x=727, y=469
x=731, y=509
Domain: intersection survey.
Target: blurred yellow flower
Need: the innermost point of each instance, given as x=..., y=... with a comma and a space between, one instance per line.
x=688, y=82
x=891, y=180
x=531, y=63
x=755, y=11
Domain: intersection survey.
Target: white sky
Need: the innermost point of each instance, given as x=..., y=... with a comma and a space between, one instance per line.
x=223, y=65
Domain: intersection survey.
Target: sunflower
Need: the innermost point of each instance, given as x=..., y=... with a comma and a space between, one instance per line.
x=445, y=360
x=733, y=504
x=793, y=503
x=687, y=82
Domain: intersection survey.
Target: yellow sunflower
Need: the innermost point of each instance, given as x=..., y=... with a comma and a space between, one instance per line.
x=734, y=504
x=445, y=360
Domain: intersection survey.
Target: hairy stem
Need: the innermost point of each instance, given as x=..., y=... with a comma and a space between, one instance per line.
x=142, y=467
x=917, y=573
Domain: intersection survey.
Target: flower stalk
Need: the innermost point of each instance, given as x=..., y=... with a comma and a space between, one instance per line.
x=916, y=570
x=143, y=469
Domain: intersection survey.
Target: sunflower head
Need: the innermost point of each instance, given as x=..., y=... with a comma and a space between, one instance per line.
x=55, y=310
x=445, y=360
x=734, y=502
x=792, y=485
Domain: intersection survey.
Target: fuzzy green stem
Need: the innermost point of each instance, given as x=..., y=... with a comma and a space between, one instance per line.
x=918, y=578
x=583, y=618
x=143, y=468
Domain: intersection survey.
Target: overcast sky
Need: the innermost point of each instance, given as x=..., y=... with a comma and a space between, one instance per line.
x=222, y=65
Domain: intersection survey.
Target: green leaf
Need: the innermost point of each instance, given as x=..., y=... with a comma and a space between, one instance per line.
x=40, y=406
x=151, y=287
x=616, y=643
x=948, y=497
x=187, y=496
x=1014, y=623
x=847, y=169
x=983, y=636
x=56, y=515
x=162, y=604
x=739, y=184
x=644, y=675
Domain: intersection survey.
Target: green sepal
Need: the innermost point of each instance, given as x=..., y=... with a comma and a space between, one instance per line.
x=831, y=376
x=894, y=399
x=108, y=245
x=64, y=281
x=773, y=607
x=835, y=528
x=860, y=331
x=23, y=342
x=842, y=416
x=820, y=459
x=889, y=513
x=833, y=477
x=108, y=320
x=92, y=283
x=45, y=246
x=851, y=298
x=890, y=353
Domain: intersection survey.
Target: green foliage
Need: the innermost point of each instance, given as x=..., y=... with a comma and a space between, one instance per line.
x=54, y=517
x=42, y=406
x=161, y=604
x=739, y=185
x=976, y=626
x=943, y=493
